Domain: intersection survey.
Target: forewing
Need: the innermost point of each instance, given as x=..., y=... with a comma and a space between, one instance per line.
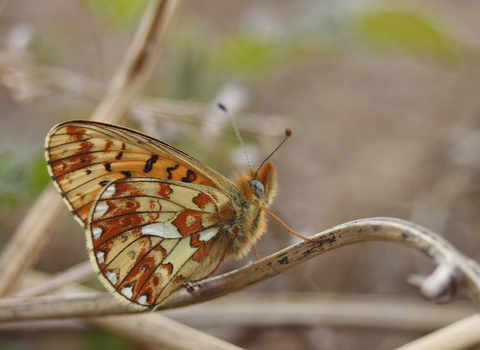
x=84, y=156
x=148, y=236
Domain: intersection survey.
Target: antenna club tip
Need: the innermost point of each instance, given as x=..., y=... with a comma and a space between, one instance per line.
x=288, y=132
x=221, y=106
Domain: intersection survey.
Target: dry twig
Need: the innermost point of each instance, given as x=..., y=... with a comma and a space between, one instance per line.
x=141, y=328
x=33, y=76
x=467, y=273
x=283, y=309
x=461, y=335
x=133, y=72
x=75, y=274
x=37, y=227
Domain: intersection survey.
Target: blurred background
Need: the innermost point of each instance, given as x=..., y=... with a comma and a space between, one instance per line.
x=383, y=98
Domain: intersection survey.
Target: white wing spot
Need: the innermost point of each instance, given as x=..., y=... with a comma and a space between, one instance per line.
x=143, y=300
x=112, y=277
x=128, y=291
x=97, y=232
x=100, y=257
x=100, y=209
x=161, y=229
x=208, y=234
x=110, y=191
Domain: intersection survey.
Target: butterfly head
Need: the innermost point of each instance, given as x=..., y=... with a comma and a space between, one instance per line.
x=258, y=190
x=261, y=185
x=258, y=187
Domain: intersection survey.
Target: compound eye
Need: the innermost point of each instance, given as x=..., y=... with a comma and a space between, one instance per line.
x=258, y=187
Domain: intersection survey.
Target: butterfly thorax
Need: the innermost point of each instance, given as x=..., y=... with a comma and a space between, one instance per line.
x=250, y=223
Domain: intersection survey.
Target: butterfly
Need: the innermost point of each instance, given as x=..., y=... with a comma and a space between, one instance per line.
x=154, y=216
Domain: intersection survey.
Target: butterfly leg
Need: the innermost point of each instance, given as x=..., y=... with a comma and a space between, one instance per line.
x=286, y=227
x=256, y=253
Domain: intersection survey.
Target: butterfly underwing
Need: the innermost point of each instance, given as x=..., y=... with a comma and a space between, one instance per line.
x=154, y=216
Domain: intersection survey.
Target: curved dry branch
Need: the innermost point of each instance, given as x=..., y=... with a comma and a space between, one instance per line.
x=455, y=269
x=463, y=270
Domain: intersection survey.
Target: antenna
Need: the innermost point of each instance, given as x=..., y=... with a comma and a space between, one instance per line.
x=288, y=133
x=229, y=115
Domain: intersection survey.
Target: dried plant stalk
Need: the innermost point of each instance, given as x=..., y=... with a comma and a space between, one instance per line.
x=138, y=62
x=142, y=328
x=466, y=272
x=37, y=227
x=30, y=238
x=64, y=81
x=306, y=309
x=161, y=331
x=75, y=274
x=461, y=335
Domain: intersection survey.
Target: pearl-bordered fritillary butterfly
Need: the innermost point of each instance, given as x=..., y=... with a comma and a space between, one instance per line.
x=154, y=216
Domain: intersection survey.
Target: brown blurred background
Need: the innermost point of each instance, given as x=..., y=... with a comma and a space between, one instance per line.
x=383, y=99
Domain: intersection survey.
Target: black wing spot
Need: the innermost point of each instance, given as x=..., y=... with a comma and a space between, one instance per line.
x=104, y=183
x=170, y=170
x=119, y=156
x=191, y=176
x=54, y=178
x=108, y=166
x=149, y=164
x=123, y=146
x=74, y=212
x=63, y=194
x=126, y=173
x=49, y=162
x=83, y=161
x=88, y=172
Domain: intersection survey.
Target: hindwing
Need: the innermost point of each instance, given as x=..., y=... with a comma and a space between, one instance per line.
x=148, y=236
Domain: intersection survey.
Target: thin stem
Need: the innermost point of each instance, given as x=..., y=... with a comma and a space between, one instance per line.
x=38, y=226
x=376, y=229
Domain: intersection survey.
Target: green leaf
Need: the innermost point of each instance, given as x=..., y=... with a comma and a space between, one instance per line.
x=117, y=13
x=406, y=30
x=23, y=174
x=249, y=54
x=39, y=177
x=102, y=340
